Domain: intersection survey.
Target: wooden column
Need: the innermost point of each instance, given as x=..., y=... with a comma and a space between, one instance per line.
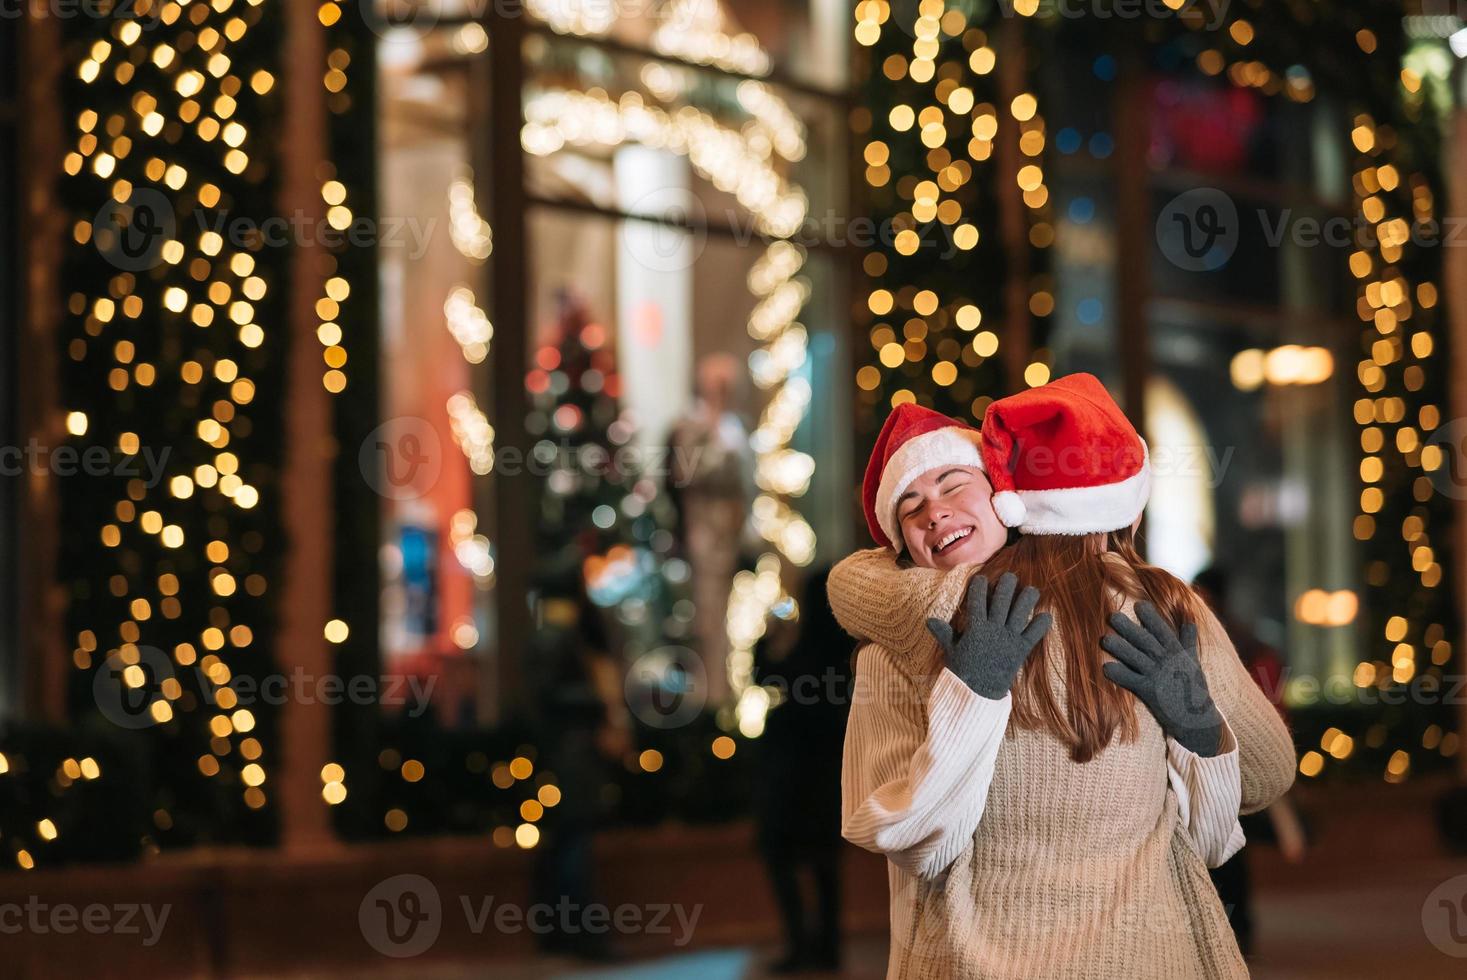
x=306, y=484
x=1134, y=230
x=1131, y=110
x=514, y=512
x=44, y=653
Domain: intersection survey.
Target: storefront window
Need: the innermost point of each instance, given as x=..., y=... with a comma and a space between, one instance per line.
x=682, y=327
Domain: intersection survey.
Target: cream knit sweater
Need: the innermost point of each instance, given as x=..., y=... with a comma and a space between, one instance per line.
x=1007, y=859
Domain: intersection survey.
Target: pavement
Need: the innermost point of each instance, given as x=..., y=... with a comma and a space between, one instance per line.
x=1377, y=898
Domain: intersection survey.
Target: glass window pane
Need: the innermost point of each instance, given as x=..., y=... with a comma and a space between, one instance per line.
x=746, y=143
x=632, y=321
x=805, y=40
x=435, y=339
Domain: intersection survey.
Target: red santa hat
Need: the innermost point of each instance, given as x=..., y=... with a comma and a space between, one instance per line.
x=913, y=441
x=1064, y=459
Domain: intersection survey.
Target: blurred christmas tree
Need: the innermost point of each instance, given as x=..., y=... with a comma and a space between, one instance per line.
x=601, y=513
x=605, y=546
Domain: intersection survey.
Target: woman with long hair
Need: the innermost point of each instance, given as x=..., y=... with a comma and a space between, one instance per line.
x=1054, y=826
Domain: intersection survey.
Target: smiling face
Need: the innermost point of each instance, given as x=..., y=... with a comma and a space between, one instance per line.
x=947, y=518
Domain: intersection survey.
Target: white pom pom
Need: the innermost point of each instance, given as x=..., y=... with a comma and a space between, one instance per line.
x=1009, y=508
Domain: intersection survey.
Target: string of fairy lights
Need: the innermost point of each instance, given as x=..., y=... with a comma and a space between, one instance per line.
x=176, y=337
x=955, y=135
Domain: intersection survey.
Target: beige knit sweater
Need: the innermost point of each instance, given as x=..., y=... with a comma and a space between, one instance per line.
x=1007, y=859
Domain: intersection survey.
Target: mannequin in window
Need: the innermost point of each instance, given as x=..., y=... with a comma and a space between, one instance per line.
x=708, y=479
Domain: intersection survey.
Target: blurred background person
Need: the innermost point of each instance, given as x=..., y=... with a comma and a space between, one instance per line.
x=708, y=481
x=797, y=785
x=1279, y=823
x=582, y=727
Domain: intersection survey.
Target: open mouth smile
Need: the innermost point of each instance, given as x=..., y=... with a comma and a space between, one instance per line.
x=951, y=539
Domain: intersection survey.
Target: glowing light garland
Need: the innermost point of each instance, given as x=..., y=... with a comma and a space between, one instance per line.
x=470, y=232
x=166, y=142
x=470, y=326
x=693, y=30
x=941, y=197
x=468, y=323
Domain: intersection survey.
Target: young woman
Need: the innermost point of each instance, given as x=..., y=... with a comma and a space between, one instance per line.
x=1039, y=822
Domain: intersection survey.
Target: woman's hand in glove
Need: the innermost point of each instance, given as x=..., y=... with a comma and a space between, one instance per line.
x=1162, y=669
x=1001, y=634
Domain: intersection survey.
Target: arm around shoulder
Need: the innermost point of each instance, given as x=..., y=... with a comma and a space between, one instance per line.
x=876, y=599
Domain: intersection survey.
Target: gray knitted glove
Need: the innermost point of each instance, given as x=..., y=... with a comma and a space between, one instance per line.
x=999, y=637
x=1162, y=669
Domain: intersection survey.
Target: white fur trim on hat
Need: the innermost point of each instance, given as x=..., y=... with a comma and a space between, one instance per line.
x=1086, y=510
x=949, y=446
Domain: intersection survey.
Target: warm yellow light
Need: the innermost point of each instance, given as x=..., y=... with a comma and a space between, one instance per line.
x=337, y=631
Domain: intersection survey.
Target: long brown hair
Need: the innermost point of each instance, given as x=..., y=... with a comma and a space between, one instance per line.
x=1079, y=587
